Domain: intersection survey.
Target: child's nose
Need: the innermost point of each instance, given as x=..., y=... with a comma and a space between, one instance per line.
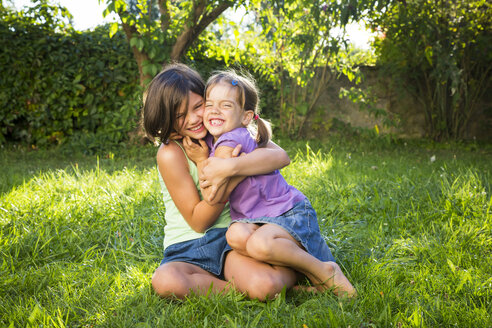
x=213, y=109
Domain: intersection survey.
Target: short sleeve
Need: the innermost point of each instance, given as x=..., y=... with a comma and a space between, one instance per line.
x=230, y=139
x=209, y=140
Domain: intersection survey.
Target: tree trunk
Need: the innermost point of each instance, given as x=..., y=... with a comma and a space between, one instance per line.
x=140, y=56
x=199, y=21
x=182, y=44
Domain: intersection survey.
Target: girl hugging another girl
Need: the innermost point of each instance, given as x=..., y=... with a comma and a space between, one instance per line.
x=272, y=221
x=197, y=259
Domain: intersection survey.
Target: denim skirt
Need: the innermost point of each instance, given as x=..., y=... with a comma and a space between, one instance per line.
x=207, y=252
x=302, y=224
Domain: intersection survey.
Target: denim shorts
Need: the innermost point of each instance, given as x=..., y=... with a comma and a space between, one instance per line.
x=207, y=252
x=302, y=224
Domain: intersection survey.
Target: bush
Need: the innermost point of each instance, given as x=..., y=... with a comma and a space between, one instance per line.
x=441, y=53
x=59, y=84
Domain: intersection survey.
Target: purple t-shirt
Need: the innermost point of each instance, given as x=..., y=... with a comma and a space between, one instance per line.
x=260, y=195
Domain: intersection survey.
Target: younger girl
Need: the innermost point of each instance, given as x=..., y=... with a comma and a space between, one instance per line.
x=272, y=221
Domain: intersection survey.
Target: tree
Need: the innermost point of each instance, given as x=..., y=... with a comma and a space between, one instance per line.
x=302, y=53
x=160, y=31
x=441, y=52
x=42, y=14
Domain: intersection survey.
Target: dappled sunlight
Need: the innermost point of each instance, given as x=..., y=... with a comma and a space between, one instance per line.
x=81, y=244
x=408, y=220
x=411, y=233
x=76, y=239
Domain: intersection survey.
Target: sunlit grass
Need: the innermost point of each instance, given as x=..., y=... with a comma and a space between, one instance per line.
x=80, y=237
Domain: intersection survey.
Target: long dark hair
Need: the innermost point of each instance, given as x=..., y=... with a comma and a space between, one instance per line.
x=165, y=95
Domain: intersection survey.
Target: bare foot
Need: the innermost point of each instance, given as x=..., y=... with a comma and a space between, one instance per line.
x=309, y=289
x=342, y=285
x=333, y=278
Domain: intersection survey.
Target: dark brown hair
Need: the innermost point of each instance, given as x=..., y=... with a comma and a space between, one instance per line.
x=165, y=95
x=248, y=99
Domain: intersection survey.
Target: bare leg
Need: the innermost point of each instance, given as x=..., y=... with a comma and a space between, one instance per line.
x=272, y=244
x=257, y=279
x=179, y=279
x=238, y=234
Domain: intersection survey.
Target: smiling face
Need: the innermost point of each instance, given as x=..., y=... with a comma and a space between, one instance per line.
x=189, y=121
x=223, y=112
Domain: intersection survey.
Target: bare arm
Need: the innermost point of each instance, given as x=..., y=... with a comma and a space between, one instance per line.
x=221, y=194
x=174, y=170
x=198, y=152
x=216, y=171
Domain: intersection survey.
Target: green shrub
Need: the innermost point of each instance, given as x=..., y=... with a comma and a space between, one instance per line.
x=440, y=52
x=59, y=84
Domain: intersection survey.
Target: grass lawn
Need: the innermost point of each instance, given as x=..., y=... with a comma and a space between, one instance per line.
x=410, y=225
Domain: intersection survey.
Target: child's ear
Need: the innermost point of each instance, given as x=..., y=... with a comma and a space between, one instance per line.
x=247, y=117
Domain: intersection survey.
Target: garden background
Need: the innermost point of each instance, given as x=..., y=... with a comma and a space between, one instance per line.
x=391, y=145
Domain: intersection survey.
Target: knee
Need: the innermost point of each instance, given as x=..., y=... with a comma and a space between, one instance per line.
x=265, y=285
x=260, y=247
x=167, y=283
x=237, y=237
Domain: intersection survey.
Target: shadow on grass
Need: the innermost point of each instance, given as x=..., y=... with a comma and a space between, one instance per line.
x=20, y=165
x=145, y=309
x=413, y=237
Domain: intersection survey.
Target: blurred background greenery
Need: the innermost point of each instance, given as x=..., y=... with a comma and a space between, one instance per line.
x=427, y=71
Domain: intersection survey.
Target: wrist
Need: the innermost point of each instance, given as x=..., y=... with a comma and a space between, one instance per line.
x=235, y=167
x=200, y=163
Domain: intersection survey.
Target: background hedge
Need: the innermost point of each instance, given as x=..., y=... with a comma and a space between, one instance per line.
x=77, y=88
x=58, y=86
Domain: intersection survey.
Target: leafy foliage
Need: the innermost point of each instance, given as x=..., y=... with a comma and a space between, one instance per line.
x=302, y=53
x=440, y=52
x=58, y=83
x=293, y=46
x=162, y=31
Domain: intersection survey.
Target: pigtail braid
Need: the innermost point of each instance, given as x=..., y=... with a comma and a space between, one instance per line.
x=264, y=133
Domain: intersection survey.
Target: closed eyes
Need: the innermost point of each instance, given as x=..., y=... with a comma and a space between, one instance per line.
x=198, y=106
x=222, y=105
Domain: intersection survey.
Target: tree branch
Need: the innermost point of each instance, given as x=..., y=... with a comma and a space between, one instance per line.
x=190, y=33
x=150, y=9
x=140, y=57
x=198, y=9
x=210, y=17
x=165, y=16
